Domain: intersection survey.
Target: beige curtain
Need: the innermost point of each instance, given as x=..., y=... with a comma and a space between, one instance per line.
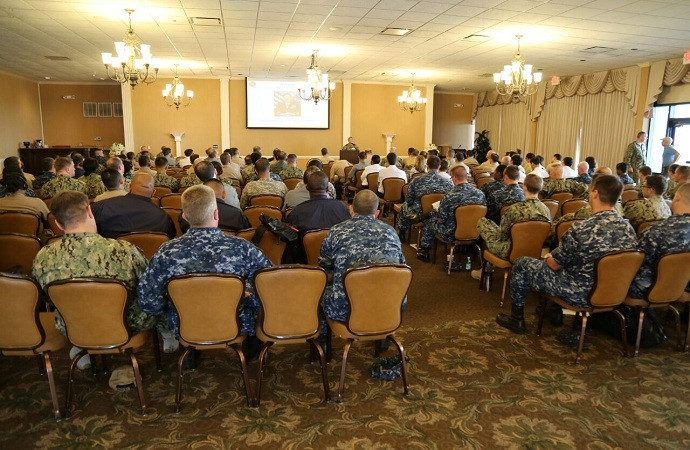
x=608, y=126
x=508, y=125
x=559, y=127
x=489, y=118
x=664, y=73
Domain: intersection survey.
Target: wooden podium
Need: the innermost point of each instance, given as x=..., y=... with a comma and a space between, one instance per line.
x=350, y=156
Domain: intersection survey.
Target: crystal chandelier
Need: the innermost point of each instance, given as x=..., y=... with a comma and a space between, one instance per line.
x=318, y=87
x=517, y=78
x=131, y=65
x=173, y=94
x=412, y=100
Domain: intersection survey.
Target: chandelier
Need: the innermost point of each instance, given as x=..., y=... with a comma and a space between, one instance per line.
x=412, y=100
x=517, y=78
x=318, y=87
x=173, y=94
x=131, y=65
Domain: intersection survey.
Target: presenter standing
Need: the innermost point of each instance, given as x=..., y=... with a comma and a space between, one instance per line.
x=669, y=156
x=634, y=155
x=350, y=145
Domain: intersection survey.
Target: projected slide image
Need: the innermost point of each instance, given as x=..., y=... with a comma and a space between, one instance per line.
x=277, y=104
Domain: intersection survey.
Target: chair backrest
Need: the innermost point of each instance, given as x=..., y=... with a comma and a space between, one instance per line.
x=614, y=273
x=481, y=181
x=629, y=195
x=270, y=244
x=174, y=214
x=267, y=200
x=358, y=178
x=527, y=238
x=373, y=181
x=466, y=219
x=52, y=223
x=347, y=170
x=671, y=278
x=53, y=240
x=18, y=250
x=417, y=174
x=327, y=168
x=156, y=201
x=207, y=304
x=171, y=201
x=312, y=241
x=290, y=313
x=392, y=189
x=20, y=327
x=429, y=199
x=93, y=310
x=561, y=197
x=572, y=205
x=504, y=208
x=181, y=190
x=644, y=225
x=148, y=241
x=405, y=188
x=552, y=205
x=235, y=181
x=628, y=187
x=47, y=201
x=254, y=212
x=564, y=226
x=374, y=310
x=19, y=222
x=292, y=183
x=160, y=191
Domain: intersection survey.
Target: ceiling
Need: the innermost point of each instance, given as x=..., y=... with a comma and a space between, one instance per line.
x=274, y=38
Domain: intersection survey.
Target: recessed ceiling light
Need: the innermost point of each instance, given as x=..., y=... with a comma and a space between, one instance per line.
x=395, y=31
x=335, y=28
x=47, y=78
x=583, y=60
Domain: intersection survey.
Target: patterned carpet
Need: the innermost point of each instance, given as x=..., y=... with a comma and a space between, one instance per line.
x=473, y=386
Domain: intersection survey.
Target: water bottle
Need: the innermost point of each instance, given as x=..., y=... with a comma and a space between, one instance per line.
x=468, y=264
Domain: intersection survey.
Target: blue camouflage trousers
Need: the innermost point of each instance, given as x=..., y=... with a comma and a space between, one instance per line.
x=432, y=227
x=530, y=273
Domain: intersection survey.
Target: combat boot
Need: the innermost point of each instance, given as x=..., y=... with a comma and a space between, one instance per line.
x=423, y=254
x=515, y=322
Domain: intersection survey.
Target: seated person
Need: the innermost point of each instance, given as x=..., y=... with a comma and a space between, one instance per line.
x=491, y=162
x=680, y=176
x=497, y=182
x=443, y=171
x=132, y=212
x=279, y=163
x=374, y=167
x=325, y=159
x=229, y=217
x=338, y=175
x=568, y=271
x=583, y=175
x=263, y=186
x=145, y=166
x=78, y=160
x=509, y=193
x=63, y=181
x=292, y=171
x=167, y=154
x=442, y=221
x=359, y=167
x=90, y=255
x=316, y=163
x=391, y=171
x=568, y=171
x=91, y=178
x=48, y=172
x=16, y=199
x=652, y=206
x=516, y=160
x=230, y=168
x=557, y=183
x=471, y=160
x=537, y=168
x=661, y=238
x=622, y=172
x=357, y=241
x=204, y=248
x=556, y=160
x=299, y=194
x=497, y=237
x=161, y=178
x=114, y=182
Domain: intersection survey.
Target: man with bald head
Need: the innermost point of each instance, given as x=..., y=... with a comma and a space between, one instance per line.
x=117, y=164
x=557, y=183
x=583, y=175
x=132, y=212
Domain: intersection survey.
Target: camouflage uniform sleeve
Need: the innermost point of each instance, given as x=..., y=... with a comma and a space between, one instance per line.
x=412, y=194
x=566, y=252
x=244, y=199
x=326, y=254
x=578, y=189
x=151, y=288
x=627, y=158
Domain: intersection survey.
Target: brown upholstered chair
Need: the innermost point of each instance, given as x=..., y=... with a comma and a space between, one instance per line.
x=270, y=244
x=629, y=195
x=327, y=168
x=160, y=191
x=47, y=201
x=346, y=170
x=172, y=201
x=213, y=326
x=19, y=222
x=398, y=206
x=18, y=250
x=24, y=331
x=561, y=197
x=312, y=241
x=373, y=181
x=94, y=311
x=254, y=212
x=238, y=190
x=526, y=239
x=572, y=205
x=292, y=183
x=613, y=274
x=182, y=189
x=466, y=231
x=148, y=241
x=351, y=190
x=286, y=214
x=53, y=240
x=481, y=181
x=644, y=225
x=289, y=316
x=392, y=192
x=174, y=214
x=156, y=201
x=671, y=277
x=52, y=223
x=267, y=200
x=234, y=181
x=564, y=226
x=629, y=187
x=375, y=313
x=427, y=201
x=552, y=205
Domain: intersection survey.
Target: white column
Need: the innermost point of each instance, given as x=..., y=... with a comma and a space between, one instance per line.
x=429, y=115
x=224, y=113
x=347, y=110
x=127, y=116
x=178, y=142
x=389, y=141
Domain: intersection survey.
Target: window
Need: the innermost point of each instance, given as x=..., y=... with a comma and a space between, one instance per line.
x=105, y=110
x=90, y=109
x=117, y=109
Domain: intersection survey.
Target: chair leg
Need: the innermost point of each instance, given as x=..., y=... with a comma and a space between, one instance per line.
x=346, y=349
x=481, y=277
x=479, y=254
x=687, y=336
x=260, y=373
x=542, y=303
x=178, y=390
x=451, y=256
x=581, y=345
x=624, y=332
x=679, y=339
x=403, y=364
x=157, y=350
x=506, y=272
x=138, y=382
x=70, y=380
x=324, y=370
x=636, y=351
x=51, y=384
x=245, y=372
x=41, y=368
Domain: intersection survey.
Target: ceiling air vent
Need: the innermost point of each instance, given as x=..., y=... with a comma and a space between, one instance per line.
x=485, y=75
x=476, y=37
x=597, y=50
x=395, y=31
x=57, y=58
x=206, y=21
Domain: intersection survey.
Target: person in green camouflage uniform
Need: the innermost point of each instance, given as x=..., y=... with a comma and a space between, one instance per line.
x=652, y=207
x=161, y=178
x=89, y=255
x=117, y=164
x=64, y=168
x=556, y=183
x=91, y=178
x=634, y=155
x=292, y=170
x=265, y=185
x=680, y=176
x=280, y=163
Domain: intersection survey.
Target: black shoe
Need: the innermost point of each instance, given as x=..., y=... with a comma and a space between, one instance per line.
x=423, y=254
x=251, y=348
x=555, y=315
x=456, y=267
x=515, y=322
x=401, y=236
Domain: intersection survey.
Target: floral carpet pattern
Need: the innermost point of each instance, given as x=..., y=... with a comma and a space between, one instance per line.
x=473, y=385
